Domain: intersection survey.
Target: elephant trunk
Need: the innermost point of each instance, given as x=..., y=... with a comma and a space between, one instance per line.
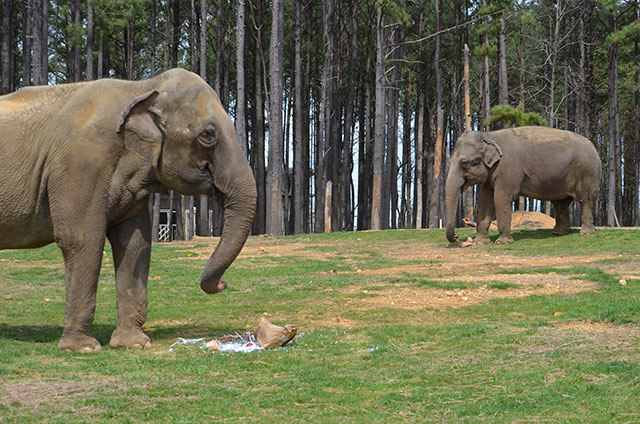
x=239, y=193
x=455, y=183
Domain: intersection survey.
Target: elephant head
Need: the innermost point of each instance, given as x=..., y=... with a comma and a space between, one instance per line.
x=180, y=127
x=472, y=161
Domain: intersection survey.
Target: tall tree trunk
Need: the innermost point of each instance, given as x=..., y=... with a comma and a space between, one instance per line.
x=258, y=138
x=613, y=134
x=241, y=121
x=203, y=204
x=167, y=35
x=419, y=143
x=36, y=34
x=486, y=91
x=582, y=80
x=275, y=214
x=154, y=19
x=347, y=146
x=390, y=187
x=27, y=25
x=178, y=203
x=155, y=198
x=129, y=36
x=503, y=86
x=298, y=159
x=434, y=210
x=100, y=58
x=219, y=49
x=404, y=220
x=379, y=136
x=7, y=47
x=636, y=129
x=521, y=51
x=44, y=41
x=175, y=45
x=90, y=38
x=203, y=39
x=193, y=56
x=76, y=73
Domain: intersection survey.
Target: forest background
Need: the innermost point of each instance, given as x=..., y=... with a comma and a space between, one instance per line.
x=348, y=110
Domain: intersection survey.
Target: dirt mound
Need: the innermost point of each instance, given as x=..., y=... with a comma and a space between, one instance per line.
x=529, y=220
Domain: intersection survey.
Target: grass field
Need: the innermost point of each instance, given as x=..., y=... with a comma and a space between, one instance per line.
x=394, y=326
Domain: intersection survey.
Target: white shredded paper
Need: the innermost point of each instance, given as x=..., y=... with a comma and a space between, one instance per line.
x=243, y=343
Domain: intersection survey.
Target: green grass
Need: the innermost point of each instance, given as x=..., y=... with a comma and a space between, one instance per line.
x=571, y=357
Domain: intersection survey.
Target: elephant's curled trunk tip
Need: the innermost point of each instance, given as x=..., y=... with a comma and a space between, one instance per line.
x=213, y=286
x=452, y=236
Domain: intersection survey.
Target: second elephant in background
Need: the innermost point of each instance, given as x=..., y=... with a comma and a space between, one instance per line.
x=539, y=162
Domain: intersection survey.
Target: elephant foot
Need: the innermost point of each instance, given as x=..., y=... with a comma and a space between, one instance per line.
x=585, y=231
x=79, y=343
x=133, y=339
x=504, y=240
x=482, y=239
x=563, y=231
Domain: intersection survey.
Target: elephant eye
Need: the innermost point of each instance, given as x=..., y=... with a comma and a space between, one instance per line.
x=208, y=137
x=476, y=161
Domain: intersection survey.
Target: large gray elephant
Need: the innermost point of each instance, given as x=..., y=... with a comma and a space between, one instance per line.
x=77, y=164
x=539, y=162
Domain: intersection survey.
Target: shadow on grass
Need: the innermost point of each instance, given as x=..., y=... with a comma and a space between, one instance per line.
x=52, y=333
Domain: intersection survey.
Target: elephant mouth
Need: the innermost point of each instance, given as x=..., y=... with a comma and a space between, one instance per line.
x=206, y=170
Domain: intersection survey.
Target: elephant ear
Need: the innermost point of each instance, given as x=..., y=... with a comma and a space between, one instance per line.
x=492, y=152
x=140, y=128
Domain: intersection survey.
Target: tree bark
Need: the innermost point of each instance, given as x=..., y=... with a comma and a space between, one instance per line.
x=503, y=86
x=298, y=159
x=435, y=214
x=76, y=73
x=613, y=134
x=347, y=145
x=241, y=120
x=379, y=120
x=167, y=35
x=7, y=47
x=90, y=38
x=175, y=45
x=275, y=214
x=203, y=39
x=36, y=36
x=258, y=138
x=486, y=91
x=203, y=205
x=27, y=38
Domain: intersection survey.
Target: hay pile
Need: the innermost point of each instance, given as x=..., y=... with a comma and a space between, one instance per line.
x=529, y=220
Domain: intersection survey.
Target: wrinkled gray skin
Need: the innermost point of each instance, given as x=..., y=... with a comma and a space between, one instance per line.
x=539, y=162
x=77, y=164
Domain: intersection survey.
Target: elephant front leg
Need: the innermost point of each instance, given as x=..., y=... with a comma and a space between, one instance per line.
x=82, y=259
x=131, y=244
x=502, y=202
x=485, y=213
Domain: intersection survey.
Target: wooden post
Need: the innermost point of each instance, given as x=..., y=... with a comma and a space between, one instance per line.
x=327, y=208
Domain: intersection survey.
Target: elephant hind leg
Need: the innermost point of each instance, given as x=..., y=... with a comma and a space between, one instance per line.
x=563, y=225
x=587, y=218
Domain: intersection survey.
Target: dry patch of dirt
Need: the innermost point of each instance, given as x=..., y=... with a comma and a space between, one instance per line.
x=259, y=246
x=520, y=285
x=584, y=337
x=481, y=269
x=47, y=391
